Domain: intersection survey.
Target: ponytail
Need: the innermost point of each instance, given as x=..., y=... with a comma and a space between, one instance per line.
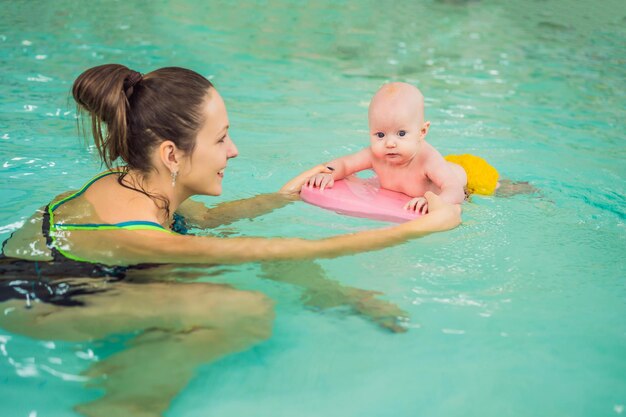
x=100, y=92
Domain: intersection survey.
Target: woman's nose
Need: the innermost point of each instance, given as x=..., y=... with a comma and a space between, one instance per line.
x=232, y=151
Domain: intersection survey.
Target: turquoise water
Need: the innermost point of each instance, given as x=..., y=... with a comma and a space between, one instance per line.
x=519, y=312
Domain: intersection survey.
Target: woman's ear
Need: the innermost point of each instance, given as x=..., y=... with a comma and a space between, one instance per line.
x=169, y=155
x=424, y=130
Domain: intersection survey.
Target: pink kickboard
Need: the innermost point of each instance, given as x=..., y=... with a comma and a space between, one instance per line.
x=361, y=198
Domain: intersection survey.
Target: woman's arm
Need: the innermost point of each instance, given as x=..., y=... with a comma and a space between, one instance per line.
x=237, y=250
x=203, y=217
x=131, y=247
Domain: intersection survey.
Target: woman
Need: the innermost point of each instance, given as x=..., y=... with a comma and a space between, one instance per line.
x=170, y=130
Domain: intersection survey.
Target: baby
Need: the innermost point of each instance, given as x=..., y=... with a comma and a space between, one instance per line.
x=401, y=157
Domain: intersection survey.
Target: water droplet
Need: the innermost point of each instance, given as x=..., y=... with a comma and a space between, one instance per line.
x=453, y=331
x=49, y=345
x=40, y=78
x=88, y=355
x=26, y=371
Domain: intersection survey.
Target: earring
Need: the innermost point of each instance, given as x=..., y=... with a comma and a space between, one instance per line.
x=174, y=175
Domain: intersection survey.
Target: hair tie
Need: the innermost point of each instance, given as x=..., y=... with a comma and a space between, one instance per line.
x=130, y=81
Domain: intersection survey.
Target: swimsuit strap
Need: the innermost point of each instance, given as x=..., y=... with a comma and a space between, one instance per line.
x=5, y=243
x=49, y=226
x=130, y=225
x=46, y=227
x=54, y=206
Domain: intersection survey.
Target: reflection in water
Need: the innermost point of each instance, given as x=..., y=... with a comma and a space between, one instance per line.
x=536, y=87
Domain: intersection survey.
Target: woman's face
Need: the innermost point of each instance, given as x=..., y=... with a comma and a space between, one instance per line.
x=204, y=171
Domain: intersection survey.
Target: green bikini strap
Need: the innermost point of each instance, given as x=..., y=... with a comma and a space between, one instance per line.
x=54, y=206
x=130, y=225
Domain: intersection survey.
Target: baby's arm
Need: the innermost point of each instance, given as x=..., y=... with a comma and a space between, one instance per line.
x=444, y=177
x=449, y=183
x=342, y=167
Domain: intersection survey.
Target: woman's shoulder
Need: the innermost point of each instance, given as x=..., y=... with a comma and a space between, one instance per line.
x=29, y=240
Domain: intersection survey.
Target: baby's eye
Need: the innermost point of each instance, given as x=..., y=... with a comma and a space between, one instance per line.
x=402, y=133
x=380, y=135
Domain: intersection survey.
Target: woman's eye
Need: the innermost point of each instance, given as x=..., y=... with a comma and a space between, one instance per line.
x=401, y=133
x=222, y=140
x=380, y=135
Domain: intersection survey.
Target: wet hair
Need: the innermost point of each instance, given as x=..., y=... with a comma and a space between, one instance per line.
x=165, y=104
x=132, y=114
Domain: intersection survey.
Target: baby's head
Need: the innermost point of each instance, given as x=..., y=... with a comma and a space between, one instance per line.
x=396, y=122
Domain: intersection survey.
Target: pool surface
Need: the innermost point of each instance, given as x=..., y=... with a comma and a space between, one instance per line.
x=521, y=311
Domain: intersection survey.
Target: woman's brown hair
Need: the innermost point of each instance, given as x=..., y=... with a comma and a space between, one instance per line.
x=165, y=104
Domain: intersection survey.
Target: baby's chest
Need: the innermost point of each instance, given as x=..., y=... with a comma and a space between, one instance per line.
x=413, y=184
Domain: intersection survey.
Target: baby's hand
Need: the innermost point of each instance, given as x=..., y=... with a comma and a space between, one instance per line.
x=321, y=180
x=418, y=205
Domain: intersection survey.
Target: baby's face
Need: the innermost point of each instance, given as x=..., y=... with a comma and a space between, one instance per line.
x=395, y=133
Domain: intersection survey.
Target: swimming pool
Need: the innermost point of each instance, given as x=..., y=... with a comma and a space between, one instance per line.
x=518, y=312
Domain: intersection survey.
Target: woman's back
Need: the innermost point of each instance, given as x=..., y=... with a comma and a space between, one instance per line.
x=77, y=225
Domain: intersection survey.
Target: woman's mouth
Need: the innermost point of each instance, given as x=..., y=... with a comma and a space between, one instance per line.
x=220, y=173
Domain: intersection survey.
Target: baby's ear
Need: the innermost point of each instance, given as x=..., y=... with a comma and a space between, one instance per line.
x=425, y=128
